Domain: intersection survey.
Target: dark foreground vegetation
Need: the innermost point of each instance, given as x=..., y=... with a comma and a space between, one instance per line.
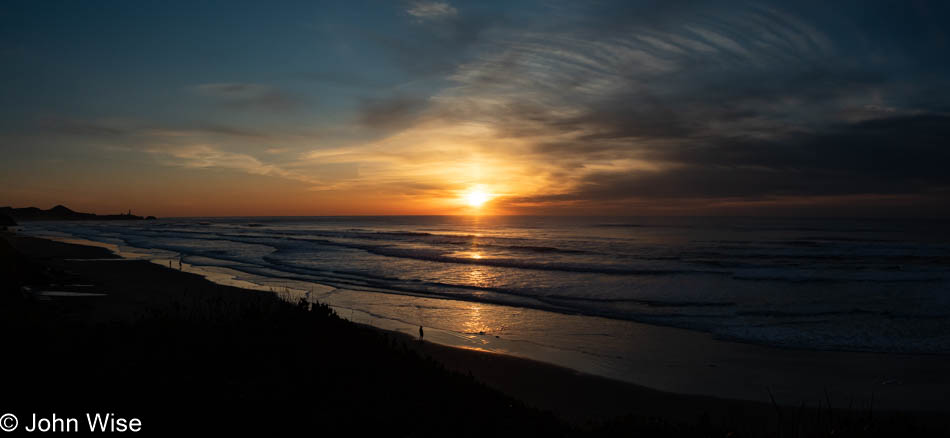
x=186, y=355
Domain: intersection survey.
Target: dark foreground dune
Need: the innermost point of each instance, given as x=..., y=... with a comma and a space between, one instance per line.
x=184, y=354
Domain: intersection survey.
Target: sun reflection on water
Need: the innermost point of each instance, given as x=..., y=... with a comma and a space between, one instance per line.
x=475, y=323
x=477, y=276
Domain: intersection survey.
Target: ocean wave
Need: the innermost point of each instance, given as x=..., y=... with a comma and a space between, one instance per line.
x=771, y=313
x=689, y=283
x=619, y=225
x=825, y=276
x=438, y=256
x=650, y=303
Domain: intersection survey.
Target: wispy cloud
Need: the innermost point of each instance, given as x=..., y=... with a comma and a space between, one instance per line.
x=249, y=96
x=207, y=156
x=615, y=113
x=431, y=10
x=204, y=156
x=130, y=128
x=84, y=127
x=395, y=112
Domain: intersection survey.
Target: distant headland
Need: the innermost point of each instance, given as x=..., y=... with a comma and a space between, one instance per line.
x=62, y=213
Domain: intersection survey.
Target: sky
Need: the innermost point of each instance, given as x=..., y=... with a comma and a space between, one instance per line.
x=230, y=108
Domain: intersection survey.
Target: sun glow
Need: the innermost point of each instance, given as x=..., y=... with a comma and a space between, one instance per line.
x=476, y=197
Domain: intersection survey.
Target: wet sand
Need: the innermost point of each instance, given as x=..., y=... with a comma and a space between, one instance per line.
x=690, y=362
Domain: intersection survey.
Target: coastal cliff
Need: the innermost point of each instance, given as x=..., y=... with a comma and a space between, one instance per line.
x=62, y=213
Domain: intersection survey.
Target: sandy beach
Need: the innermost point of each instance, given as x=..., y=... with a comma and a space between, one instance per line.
x=672, y=358
x=691, y=362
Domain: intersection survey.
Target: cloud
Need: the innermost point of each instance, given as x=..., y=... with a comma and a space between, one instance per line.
x=395, y=112
x=83, y=127
x=431, y=10
x=436, y=41
x=206, y=156
x=249, y=96
x=891, y=156
x=739, y=103
x=206, y=129
x=124, y=129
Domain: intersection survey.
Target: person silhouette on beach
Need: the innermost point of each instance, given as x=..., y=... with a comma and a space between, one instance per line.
x=421, y=334
x=179, y=262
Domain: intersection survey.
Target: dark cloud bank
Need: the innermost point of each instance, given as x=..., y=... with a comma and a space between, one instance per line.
x=762, y=104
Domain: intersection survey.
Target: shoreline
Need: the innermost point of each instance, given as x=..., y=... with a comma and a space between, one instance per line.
x=230, y=277
x=696, y=364
x=579, y=398
x=771, y=332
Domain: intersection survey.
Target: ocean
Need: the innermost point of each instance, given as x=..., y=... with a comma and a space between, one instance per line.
x=565, y=286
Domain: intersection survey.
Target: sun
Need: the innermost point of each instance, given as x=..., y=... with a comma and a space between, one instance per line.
x=476, y=197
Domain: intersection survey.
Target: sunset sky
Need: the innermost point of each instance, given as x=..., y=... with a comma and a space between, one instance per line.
x=420, y=107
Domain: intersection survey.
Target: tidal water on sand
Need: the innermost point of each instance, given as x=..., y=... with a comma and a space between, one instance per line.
x=867, y=285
